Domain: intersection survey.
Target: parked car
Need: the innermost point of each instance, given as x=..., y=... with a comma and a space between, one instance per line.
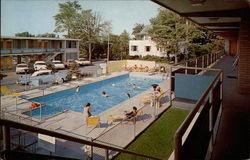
x=44, y=76
x=69, y=63
x=58, y=64
x=21, y=68
x=82, y=61
x=38, y=65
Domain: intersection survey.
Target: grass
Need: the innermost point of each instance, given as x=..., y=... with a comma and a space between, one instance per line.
x=158, y=139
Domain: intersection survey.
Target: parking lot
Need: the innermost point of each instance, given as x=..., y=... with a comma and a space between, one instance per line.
x=9, y=78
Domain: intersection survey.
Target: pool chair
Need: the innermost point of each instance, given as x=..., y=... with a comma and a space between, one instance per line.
x=147, y=99
x=93, y=120
x=116, y=117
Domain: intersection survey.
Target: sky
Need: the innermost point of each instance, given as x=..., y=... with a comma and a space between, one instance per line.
x=36, y=16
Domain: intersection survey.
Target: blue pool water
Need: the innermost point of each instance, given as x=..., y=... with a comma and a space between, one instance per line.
x=116, y=88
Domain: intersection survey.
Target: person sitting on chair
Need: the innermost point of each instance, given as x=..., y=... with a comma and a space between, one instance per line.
x=132, y=113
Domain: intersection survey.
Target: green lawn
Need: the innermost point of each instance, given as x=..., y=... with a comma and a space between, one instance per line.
x=158, y=139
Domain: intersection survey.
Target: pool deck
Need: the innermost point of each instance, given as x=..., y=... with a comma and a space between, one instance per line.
x=118, y=134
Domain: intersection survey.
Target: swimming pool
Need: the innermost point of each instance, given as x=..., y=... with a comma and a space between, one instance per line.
x=116, y=88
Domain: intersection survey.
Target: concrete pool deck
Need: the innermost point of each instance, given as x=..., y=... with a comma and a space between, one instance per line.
x=72, y=123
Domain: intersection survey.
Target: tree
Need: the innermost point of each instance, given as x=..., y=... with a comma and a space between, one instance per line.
x=172, y=32
x=89, y=28
x=124, y=44
x=24, y=34
x=48, y=35
x=66, y=18
x=115, y=48
x=81, y=24
x=137, y=29
x=168, y=29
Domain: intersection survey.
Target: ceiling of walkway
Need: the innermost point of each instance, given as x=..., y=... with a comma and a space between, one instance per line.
x=220, y=16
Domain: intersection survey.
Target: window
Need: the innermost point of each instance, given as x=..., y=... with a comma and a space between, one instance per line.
x=147, y=48
x=134, y=48
x=71, y=44
x=43, y=74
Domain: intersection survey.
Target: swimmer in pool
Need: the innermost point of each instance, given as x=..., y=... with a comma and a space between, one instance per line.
x=128, y=95
x=104, y=94
x=78, y=89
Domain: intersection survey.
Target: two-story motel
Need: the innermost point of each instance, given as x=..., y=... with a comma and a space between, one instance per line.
x=15, y=50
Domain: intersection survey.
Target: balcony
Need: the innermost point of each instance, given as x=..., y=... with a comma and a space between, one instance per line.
x=37, y=50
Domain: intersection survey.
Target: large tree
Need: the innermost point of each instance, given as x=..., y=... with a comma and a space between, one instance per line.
x=66, y=18
x=89, y=28
x=82, y=24
x=172, y=32
x=168, y=30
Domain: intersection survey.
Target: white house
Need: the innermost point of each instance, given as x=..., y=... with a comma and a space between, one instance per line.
x=145, y=46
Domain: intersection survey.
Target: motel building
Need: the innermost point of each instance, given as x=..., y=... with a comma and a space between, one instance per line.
x=15, y=50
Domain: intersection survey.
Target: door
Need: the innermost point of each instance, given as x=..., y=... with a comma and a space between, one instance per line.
x=45, y=45
x=9, y=44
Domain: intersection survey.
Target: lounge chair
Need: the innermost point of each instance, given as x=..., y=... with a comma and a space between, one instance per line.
x=116, y=117
x=93, y=120
x=123, y=117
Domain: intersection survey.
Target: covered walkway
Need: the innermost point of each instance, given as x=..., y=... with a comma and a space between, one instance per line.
x=233, y=138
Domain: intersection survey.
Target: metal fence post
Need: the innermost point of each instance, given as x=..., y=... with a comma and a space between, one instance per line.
x=207, y=59
x=170, y=86
x=40, y=111
x=196, y=63
x=16, y=104
x=106, y=154
x=211, y=58
x=186, y=64
x=202, y=62
x=91, y=150
x=211, y=119
x=134, y=121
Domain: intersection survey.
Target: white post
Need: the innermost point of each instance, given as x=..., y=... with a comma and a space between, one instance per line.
x=170, y=86
x=186, y=64
x=107, y=56
x=196, y=64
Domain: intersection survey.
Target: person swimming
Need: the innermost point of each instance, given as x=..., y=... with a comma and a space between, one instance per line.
x=104, y=94
x=78, y=89
x=135, y=86
x=128, y=95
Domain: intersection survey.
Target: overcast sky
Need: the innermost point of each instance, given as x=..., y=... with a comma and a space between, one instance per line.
x=36, y=16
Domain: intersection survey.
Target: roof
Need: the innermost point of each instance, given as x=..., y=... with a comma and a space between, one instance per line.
x=220, y=16
x=39, y=38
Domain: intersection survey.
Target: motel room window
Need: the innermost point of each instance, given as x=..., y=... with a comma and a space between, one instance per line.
x=134, y=48
x=147, y=48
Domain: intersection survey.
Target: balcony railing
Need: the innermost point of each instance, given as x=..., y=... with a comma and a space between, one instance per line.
x=37, y=50
x=195, y=137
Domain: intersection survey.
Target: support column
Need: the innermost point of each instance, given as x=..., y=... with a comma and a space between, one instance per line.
x=6, y=138
x=244, y=48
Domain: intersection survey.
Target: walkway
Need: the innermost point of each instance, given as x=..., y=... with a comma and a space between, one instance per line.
x=233, y=139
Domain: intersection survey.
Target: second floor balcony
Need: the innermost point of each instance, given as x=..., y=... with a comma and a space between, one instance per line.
x=35, y=50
